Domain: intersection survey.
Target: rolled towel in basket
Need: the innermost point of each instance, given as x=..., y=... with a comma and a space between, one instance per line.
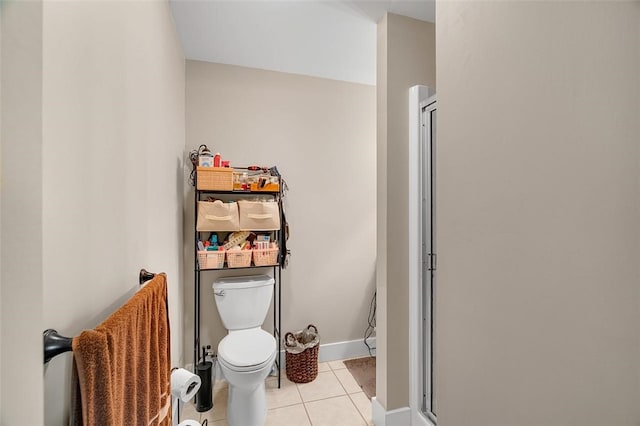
x=297, y=342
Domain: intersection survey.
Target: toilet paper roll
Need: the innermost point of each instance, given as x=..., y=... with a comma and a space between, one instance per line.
x=184, y=384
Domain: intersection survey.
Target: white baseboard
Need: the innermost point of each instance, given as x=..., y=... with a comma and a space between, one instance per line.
x=345, y=350
x=341, y=350
x=378, y=413
x=382, y=417
x=419, y=419
x=333, y=351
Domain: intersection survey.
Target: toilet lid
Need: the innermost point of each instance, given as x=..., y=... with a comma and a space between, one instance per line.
x=245, y=348
x=252, y=368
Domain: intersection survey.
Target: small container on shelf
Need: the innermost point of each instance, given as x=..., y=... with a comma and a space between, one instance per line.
x=215, y=178
x=265, y=257
x=264, y=187
x=239, y=258
x=210, y=259
x=205, y=159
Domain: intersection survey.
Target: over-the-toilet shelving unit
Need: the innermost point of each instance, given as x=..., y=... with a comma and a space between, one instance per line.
x=277, y=269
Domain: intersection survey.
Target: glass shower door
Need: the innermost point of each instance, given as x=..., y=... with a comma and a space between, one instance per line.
x=429, y=257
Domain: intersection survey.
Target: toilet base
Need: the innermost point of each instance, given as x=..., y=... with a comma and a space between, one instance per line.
x=247, y=407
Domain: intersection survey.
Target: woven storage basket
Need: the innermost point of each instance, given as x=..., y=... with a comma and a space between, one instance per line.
x=211, y=259
x=238, y=258
x=302, y=367
x=215, y=178
x=265, y=257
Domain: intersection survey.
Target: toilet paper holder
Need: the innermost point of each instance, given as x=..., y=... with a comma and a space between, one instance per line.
x=181, y=394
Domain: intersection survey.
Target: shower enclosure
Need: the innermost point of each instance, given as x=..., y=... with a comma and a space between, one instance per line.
x=423, y=254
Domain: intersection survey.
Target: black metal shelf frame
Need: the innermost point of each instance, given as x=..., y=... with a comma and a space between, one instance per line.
x=209, y=191
x=277, y=271
x=232, y=269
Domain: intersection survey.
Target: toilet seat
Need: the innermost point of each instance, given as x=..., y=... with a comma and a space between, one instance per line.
x=249, y=368
x=247, y=350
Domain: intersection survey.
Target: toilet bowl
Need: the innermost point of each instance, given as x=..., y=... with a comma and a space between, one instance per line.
x=246, y=358
x=246, y=355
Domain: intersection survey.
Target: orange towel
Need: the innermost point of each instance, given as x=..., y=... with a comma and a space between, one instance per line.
x=123, y=366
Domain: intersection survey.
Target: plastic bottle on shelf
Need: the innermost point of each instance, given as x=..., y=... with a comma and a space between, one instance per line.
x=243, y=180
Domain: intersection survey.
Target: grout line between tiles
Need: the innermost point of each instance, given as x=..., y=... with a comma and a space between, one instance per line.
x=304, y=405
x=349, y=395
x=358, y=410
x=283, y=406
x=340, y=381
x=307, y=411
x=320, y=399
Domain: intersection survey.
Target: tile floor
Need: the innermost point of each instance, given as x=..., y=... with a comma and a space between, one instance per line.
x=332, y=399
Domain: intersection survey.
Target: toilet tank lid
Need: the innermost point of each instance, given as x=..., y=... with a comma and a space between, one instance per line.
x=246, y=281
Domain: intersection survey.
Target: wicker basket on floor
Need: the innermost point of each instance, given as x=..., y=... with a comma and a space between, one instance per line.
x=302, y=367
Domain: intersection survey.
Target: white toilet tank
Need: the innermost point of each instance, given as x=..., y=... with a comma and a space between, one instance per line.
x=243, y=302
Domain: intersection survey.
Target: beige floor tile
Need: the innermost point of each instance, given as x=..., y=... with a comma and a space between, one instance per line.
x=347, y=381
x=338, y=411
x=219, y=410
x=323, y=366
x=218, y=423
x=336, y=365
x=272, y=381
x=293, y=415
x=325, y=385
x=189, y=412
x=287, y=394
x=220, y=384
x=283, y=374
x=363, y=404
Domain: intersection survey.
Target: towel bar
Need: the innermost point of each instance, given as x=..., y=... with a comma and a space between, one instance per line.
x=55, y=344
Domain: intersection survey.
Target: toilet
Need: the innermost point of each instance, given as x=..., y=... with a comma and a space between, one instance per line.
x=247, y=353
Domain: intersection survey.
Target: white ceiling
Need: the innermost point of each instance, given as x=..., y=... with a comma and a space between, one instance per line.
x=329, y=39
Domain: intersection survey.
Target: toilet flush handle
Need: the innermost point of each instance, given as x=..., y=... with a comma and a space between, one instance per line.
x=219, y=293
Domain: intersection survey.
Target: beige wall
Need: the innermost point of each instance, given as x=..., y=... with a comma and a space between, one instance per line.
x=113, y=126
x=321, y=135
x=381, y=211
x=0, y=213
x=21, y=203
x=538, y=207
x=406, y=57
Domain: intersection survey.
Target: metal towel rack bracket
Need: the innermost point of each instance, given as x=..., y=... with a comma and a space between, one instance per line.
x=145, y=276
x=55, y=344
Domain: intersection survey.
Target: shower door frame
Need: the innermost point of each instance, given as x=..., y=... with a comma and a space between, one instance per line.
x=429, y=255
x=421, y=259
